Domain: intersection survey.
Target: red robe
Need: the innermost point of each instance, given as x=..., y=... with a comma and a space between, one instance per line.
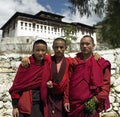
x=89, y=78
x=30, y=78
x=60, y=84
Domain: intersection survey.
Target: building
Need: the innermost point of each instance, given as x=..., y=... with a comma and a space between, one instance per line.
x=43, y=25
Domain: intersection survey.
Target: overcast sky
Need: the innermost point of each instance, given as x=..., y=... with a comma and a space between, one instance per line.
x=9, y=7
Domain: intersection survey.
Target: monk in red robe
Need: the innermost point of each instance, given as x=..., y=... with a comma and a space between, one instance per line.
x=59, y=80
x=89, y=85
x=29, y=90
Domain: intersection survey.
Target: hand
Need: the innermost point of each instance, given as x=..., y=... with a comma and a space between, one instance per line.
x=15, y=112
x=50, y=84
x=25, y=62
x=67, y=107
x=96, y=56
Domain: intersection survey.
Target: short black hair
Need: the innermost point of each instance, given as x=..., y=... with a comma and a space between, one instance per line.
x=39, y=41
x=59, y=39
x=89, y=37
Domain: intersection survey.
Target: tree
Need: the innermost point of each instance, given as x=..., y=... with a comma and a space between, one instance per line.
x=86, y=7
x=69, y=35
x=110, y=30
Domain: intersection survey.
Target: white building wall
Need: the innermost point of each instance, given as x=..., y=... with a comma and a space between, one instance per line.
x=41, y=31
x=48, y=33
x=16, y=29
x=37, y=31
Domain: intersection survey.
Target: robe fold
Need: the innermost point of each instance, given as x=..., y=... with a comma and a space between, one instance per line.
x=86, y=81
x=26, y=79
x=60, y=84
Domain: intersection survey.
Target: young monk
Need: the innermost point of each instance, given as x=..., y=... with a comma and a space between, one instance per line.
x=89, y=85
x=29, y=90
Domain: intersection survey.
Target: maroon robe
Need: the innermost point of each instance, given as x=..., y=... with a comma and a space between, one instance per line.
x=30, y=78
x=60, y=84
x=86, y=81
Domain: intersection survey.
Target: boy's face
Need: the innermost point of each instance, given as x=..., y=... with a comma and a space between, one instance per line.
x=59, y=47
x=39, y=51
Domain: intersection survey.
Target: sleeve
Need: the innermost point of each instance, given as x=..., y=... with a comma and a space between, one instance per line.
x=15, y=95
x=102, y=97
x=105, y=89
x=66, y=93
x=15, y=103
